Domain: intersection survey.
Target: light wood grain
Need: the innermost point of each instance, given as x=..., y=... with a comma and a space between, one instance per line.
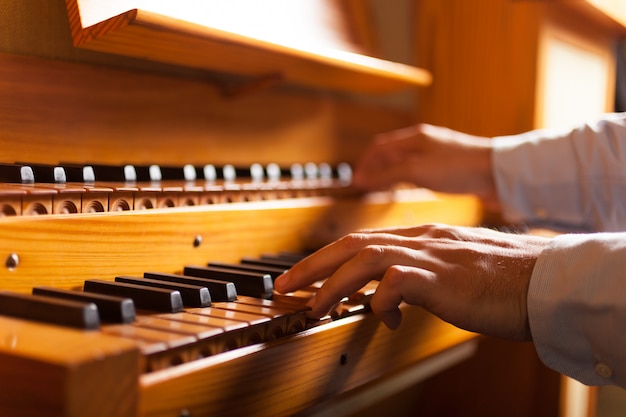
x=61, y=111
x=293, y=374
x=53, y=371
x=64, y=250
x=139, y=33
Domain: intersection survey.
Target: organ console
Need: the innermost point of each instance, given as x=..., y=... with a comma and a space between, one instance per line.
x=157, y=173
x=149, y=168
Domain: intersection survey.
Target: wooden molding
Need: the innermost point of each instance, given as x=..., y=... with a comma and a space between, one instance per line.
x=143, y=34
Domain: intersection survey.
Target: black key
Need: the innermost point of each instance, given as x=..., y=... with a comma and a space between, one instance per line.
x=16, y=173
x=193, y=295
x=79, y=173
x=280, y=258
x=100, y=172
x=343, y=172
x=220, y=290
x=112, y=309
x=157, y=173
x=253, y=284
x=50, y=310
x=147, y=298
x=277, y=263
x=294, y=256
x=285, y=172
x=172, y=173
x=115, y=173
x=146, y=173
x=272, y=271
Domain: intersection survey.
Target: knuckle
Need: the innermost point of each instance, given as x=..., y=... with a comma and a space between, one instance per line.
x=439, y=231
x=371, y=253
x=427, y=229
x=354, y=240
x=394, y=276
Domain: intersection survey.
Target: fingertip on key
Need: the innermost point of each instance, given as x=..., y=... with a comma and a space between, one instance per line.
x=315, y=311
x=391, y=319
x=281, y=283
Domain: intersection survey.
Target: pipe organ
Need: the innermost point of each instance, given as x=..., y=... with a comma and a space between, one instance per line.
x=160, y=165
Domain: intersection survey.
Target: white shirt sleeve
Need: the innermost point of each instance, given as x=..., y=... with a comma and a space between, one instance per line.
x=573, y=179
x=577, y=307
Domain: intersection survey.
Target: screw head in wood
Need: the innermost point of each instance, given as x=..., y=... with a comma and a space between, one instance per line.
x=12, y=261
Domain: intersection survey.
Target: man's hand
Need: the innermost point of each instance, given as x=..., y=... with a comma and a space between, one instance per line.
x=474, y=278
x=429, y=156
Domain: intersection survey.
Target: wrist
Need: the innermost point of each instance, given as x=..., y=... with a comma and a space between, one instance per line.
x=485, y=186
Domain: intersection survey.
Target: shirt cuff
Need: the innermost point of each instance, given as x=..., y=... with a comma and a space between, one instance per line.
x=577, y=307
x=532, y=188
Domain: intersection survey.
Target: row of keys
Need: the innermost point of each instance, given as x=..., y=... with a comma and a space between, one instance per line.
x=26, y=173
x=38, y=190
x=176, y=318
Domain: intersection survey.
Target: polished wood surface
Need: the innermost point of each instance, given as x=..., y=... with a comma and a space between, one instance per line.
x=327, y=361
x=82, y=113
x=62, y=372
x=55, y=371
x=63, y=250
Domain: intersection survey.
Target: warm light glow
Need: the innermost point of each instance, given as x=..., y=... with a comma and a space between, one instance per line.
x=616, y=9
x=298, y=23
x=567, y=100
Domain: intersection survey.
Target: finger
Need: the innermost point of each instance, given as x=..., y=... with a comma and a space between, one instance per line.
x=391, y=145
x=369, y=264
x=422, y=230
x=317, y=266
x=327, y=260
x=400, y=283
x=409, y=138
x=384, y=156
x=385, y=175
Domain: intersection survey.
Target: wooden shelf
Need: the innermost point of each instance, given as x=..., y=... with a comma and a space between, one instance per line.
x=152, y=36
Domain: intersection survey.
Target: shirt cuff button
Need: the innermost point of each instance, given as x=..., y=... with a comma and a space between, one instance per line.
x=603, y=370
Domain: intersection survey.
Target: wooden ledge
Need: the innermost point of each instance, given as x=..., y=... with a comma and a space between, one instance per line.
x=147, y=35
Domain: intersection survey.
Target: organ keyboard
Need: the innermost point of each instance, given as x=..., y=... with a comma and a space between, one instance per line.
x=216, y=347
